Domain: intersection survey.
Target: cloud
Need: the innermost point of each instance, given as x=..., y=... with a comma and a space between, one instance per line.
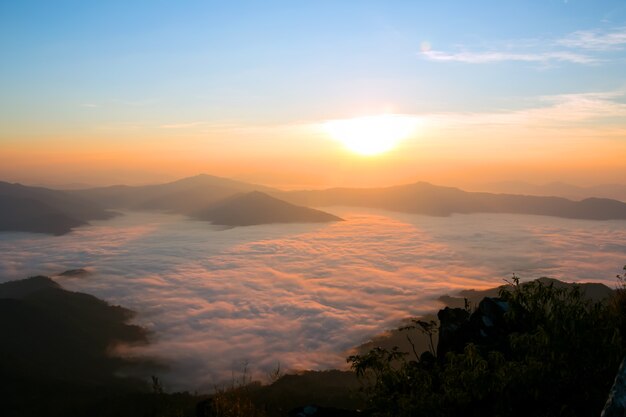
x=595, y=39
x=562, y=110
x=583, y=106
x=300, y=294
x=580, y=47
x=181, y=125
x=495, y=56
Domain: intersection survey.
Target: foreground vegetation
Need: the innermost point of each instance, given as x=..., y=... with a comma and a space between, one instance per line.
x=538, y=350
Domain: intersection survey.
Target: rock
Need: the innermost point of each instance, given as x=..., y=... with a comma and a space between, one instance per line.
x=487, y=322
x=75, y=273
x=485, y=326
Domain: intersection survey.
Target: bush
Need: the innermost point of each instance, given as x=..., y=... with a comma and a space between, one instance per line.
x=555, y=354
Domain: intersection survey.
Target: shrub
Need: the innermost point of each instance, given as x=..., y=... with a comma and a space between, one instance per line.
x=555, y=354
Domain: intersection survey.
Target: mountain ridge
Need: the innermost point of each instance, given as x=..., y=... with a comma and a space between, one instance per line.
x=185, y=195
x=37, y=209
x=429, y=199
x=42, y=210
x=256, y=208
x=558, y=189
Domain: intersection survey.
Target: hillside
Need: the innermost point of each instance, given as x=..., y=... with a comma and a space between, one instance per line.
x=428, y=199
x=41, y=210
x=560, y=189
x=222, y=201
x=28, y=215
x=259, y=208
x=183, y=196
x=56, y=344
x=194, y=194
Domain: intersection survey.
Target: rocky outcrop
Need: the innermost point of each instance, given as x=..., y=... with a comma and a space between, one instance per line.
x=75, y=273
x=485, y=326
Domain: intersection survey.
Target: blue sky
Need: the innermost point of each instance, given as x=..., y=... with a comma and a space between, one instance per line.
x=68, y=66
x=299, y=60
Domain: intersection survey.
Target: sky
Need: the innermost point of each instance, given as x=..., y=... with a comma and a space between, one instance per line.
x=138, y=92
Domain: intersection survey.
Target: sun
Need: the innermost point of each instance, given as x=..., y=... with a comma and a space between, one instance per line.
x=371, y=135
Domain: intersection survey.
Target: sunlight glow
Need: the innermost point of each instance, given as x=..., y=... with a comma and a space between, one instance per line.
x=371, y=135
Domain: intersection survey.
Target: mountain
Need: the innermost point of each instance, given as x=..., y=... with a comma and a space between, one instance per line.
x=28, y=215
x=183, y=196
x=259, y=208
x=231, y=202
x=424, y=198
x=54, y=332
x=559, y=189
x=56, y=348
x=221, y=200
x=41, y=210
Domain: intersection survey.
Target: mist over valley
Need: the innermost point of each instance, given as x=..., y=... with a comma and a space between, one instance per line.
x=302, y=295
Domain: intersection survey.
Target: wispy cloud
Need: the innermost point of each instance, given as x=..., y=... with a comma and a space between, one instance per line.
x=581, y=47
x=496, y=56
x=582, y=106
x=554, y=110
x=181, y=125
x=595, y=39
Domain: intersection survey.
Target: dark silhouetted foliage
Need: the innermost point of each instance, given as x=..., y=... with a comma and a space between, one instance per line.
x=555, y=353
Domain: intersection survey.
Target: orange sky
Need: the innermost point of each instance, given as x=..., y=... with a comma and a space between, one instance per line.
x=535, y=145
x=123, y=92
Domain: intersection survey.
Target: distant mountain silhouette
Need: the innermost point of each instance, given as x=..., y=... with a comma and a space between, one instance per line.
x=41, y=210
x=183, y=196
x=259, y=208
x=220, y=200
x=204, y=197
x=28, y=215
x=559, y=189
x=424, y=198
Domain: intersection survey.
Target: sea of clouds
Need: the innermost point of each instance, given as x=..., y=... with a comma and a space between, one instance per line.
x=300, y=295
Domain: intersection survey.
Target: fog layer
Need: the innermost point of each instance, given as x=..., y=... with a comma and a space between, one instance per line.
x=300, y=295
